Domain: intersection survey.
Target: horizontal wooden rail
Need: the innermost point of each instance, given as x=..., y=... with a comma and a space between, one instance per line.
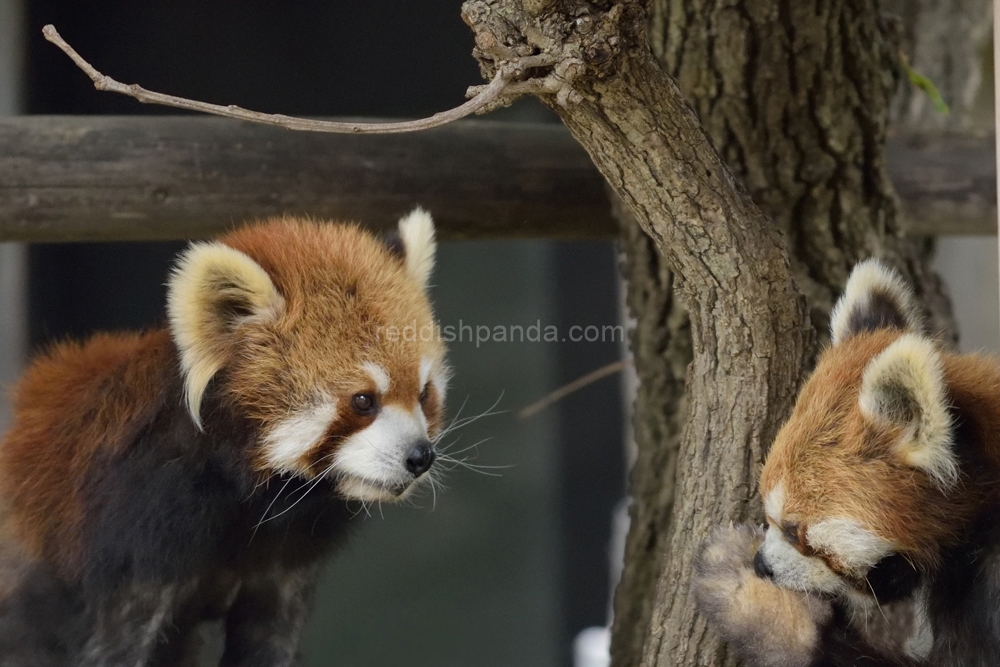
x=94, y=178
x=100, y=178
x=945, y=182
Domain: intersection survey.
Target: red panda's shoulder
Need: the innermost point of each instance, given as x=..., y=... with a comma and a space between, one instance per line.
x=89, y=391
x=72, y=402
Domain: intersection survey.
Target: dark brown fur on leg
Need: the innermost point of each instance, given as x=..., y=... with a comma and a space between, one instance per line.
x=266, y=621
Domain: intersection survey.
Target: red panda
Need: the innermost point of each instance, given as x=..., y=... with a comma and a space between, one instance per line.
x=152, y=482
x=883, y=485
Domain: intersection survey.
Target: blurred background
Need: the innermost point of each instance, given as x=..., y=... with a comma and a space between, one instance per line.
x=499, y=570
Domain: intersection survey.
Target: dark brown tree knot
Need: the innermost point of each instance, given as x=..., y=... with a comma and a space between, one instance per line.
x=556, y=48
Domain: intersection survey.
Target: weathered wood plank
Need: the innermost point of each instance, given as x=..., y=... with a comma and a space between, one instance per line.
x=945, y=182
x=142, y=178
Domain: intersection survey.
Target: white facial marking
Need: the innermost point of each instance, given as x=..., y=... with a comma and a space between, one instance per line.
x=293, y=437
x=856, y=547
x=774, y=503
x=372, y=462
x=794, y=570
x=379, y=375
x=437, y=373
x=425, y=371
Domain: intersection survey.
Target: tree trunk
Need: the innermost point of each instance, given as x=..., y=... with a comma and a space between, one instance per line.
x=660, y=341
x=750, y=332
x=943, y=40
x=795, y=95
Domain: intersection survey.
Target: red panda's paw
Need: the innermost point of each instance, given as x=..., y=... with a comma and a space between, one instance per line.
x=766, y=625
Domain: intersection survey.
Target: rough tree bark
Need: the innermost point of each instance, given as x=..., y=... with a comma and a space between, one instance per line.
x=942, y=39
x=750, y=331
x=796, y=97
x=660, y=342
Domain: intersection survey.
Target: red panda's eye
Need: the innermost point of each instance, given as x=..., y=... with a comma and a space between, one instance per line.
x=791, y=531
x=363, y=404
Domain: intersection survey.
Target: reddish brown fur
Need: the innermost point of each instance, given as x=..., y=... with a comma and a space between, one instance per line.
x=71, y=403
x=342, y=289
x=835, y=463
x=364, y=290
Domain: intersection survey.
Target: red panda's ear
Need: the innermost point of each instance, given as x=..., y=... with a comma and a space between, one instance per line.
x=212, y=290
x=876, y=297
x=904, y=386
x=416, y=230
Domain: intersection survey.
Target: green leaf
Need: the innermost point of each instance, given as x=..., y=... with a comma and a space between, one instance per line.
x=926, y=85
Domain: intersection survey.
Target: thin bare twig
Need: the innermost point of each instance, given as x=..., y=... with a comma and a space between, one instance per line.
x=484, y=96
x=576, y=385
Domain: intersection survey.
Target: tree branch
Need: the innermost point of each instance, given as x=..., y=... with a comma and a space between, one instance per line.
x=484, y=98
x=572, y=387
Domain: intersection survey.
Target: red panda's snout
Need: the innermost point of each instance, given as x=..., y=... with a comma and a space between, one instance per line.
x=891, y=577
x=385, y=460
x=324, y=337
x=377, y=455
x=842, y=567
x=830, y=555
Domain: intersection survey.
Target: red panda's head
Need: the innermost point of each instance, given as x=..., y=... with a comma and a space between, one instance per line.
x=324, y=337
x=861, y=487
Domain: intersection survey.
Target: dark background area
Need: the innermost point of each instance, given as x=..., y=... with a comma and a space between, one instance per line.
x=530, y=550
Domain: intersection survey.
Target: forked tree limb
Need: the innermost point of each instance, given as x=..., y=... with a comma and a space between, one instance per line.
x=483, y=98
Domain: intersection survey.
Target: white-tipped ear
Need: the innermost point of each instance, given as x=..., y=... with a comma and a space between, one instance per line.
x=876, y=297
x=212, y=290
x=416, y=230
x=905, y=386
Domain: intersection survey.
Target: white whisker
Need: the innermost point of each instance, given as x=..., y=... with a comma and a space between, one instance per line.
x=273, y=500
x=475, y=467
x=433, y=493
x=457, y=423
x=446, y=449
x=309, y=487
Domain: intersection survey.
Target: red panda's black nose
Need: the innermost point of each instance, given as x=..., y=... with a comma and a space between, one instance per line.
x=760, y=566
x=420, y=459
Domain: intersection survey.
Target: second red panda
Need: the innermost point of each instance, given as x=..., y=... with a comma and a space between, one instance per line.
x=151, y=482
x=882, y=486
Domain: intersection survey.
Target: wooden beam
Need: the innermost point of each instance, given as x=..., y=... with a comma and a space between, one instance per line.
x=94, y=178
x=945, y=182
x=100, y=178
